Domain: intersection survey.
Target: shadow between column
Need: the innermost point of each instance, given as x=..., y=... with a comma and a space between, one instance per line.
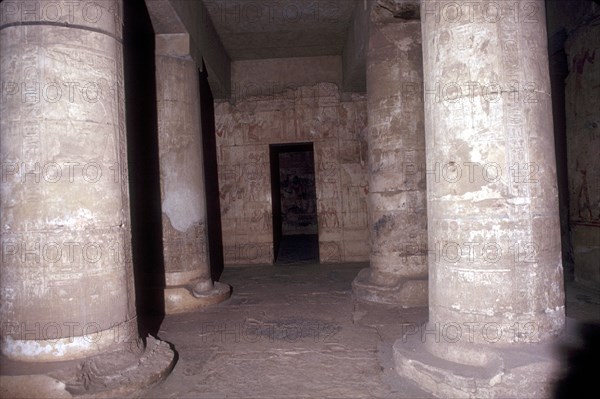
x=143, y=162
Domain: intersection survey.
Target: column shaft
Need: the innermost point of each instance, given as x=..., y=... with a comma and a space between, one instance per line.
x=492, y=204
x=396, y=152
x=496, y=295
x=67, y=297
x=66, y=282
x=181, y=170
x=186, y=257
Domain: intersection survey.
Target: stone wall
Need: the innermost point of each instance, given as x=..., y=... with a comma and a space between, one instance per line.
x=583, y=143
x=320, y=114
x=272, y=76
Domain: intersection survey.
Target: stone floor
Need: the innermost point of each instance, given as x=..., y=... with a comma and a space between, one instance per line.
x=295, y=331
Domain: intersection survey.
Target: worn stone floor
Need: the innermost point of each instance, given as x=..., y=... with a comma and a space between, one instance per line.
x=295, y=331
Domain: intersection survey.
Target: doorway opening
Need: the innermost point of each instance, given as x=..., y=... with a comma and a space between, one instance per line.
x=294, y=198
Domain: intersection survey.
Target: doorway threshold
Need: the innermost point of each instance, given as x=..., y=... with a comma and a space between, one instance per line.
x=298, y=249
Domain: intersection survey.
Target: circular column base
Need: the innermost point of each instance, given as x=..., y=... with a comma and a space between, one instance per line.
x=115, y=374
x=69, y=348
x=182, y=299
x=408, y=293
x=525, y=371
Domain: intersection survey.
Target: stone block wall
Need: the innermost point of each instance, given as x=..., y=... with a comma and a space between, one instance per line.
x=583, y=146
x=335, y=123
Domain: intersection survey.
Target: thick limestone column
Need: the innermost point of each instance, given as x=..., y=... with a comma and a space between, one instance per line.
x=186, y=258
x=66, y=280
x=396, y=145
x=496, y=298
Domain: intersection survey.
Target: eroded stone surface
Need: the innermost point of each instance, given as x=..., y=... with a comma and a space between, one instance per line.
x=583, y=143
x=66, y=278
x=298, y=329
x=523, y=372
x=396, y=148
x=184, y=233
x=65, y=204
x=181, y=168
x=182, y=299
x=292, y=330
x=494, y=240
x=509, y=220
x=124, y=373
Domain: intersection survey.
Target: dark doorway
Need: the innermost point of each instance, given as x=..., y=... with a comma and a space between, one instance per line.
x=294, y=196
x=211, y=177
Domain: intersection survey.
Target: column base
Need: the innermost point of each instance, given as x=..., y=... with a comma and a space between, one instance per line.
x=115, y=374
x=526, y=371
x=181, y=299
x=409, y=293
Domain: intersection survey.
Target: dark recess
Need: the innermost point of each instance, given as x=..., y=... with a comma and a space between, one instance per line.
x=274, y=151
x=144, y=173
x=211, y=177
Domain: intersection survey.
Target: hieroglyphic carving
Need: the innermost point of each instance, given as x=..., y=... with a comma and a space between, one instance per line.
x=310, y=115
x=354, y=207
x=251, y=253
x=328, y=215
x=330, y=252
x=66, y=253
x=184, y=251
x=46, y=262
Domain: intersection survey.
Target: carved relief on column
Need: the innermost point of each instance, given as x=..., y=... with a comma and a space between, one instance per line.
x=496, y=283
x=66, y=276
x=65, y=202
x=186, y=259
x=396, y=153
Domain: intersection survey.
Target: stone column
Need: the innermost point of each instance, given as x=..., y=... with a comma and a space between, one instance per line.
x=186, y=258
x=396, y=156
x=66, y=279
x=496, y=297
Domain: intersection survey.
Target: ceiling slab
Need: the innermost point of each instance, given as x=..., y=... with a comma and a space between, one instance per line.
x=259, y=29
